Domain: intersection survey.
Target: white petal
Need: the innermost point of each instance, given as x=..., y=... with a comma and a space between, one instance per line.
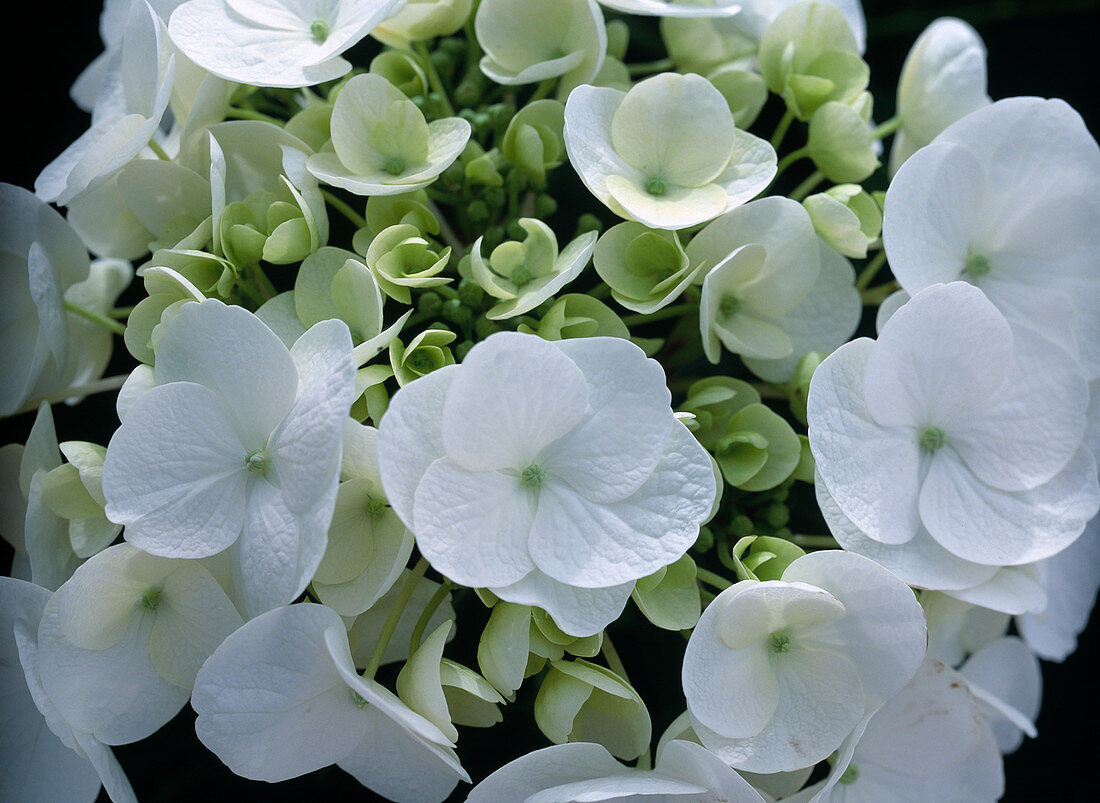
x=871, y=471
x=577, y=611
x=271, y=704
x=535, y=394
x=174, y=473
x=473, y=527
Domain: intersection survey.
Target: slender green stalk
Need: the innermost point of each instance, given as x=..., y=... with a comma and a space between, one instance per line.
x=648, y=67
x=781, y=129
x=887, y=128
x=816, y=541
x=104, y=385
x=425, y=617
x=544, y=89
x=155, y=147
x=789, y=160
x=95, y=317
x=876, y=295
x=713, y=580
x=433, y=77
x=344, y=209
x=807, y=186
x=611, y=655
x=869, y=270
x=403, y=597
x=120, y=312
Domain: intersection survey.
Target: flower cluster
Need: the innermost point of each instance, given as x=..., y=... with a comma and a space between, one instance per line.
x=391, y=457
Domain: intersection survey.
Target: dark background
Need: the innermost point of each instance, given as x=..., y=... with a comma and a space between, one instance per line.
x=1035, y=48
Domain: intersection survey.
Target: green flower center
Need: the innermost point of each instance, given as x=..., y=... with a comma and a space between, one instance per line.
x=359, y=701
x=932, y=439
x=150, y=599
x=375, y=507
x=256, y=461
x=419, y=362
x=729, y=306
x=521, y=276
x=850, y=776
x=533, y=475
x=395, y=166
x=977, y=265
x=319, y=30
x=656, y=185
x=780, y=643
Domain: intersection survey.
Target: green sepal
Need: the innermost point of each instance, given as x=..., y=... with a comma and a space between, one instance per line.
x=768, y=557
x=759, y=449
x=673, y=602
x=713, y=401
x=425, y=353
x=419, y=684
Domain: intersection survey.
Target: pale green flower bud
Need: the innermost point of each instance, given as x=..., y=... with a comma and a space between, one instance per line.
x=402, y=259
x=702, y=44
x=581, y=702
x=578, y=315
x=618, y=37
x=840, y=143
x=846, y=217
x=810, y=56
x=645, y=268
x=533, y=140
x=167, y=288
x=768, y=557
x=714, y=401
x=758, y=450
x=419, y=20
x=383, y=211
x=401, y=70
x=425, y=353
x=669, y=598
x=266, y=227
x=74, y=491
x=800, y=383
x=313, y=124
x=744, y=91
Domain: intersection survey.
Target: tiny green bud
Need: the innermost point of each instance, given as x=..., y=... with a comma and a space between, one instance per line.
x=977, y=265
x=545, y=206
x=463, y=348
x=376, y=507
x=729, y=306
x=741, y=525
x=319, y=30
x=656, y=185
x=457, y=312
x=520, y=276
x=470, y=293
x=704, y=541
x=478, y=211
x=533, y=476
x=256, y=461
x=495, y=196
x=777, y=515
x=780, y=643
x=588, y=222
x=932, y=439
x=430, y=303
x=483, y=327
x=151, y=599
x=394, y=166
x=516, y=231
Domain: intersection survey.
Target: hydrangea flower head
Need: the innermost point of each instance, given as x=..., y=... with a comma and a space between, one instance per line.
x=554, y=474
x=666, y=153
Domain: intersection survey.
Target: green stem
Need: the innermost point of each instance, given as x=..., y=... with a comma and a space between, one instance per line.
x=614, y=662
x=95, y=317
x=817, y=541
x=99, y=386
x=155, y=147
x=869, y=271
x=781, y=129
x=887, y=128
x=422, y=623
x=647, y=67
x=876, y=295
x=266, y=288
x=712, y=579
x=675, y=311
x=345, y=209
x=807, y=186
x=433, y=77
x=789, y=160
x=237, y=113
x=403, y=597
x=543, y=89
x=120, y=312
x=767, y=391
x=600, y=291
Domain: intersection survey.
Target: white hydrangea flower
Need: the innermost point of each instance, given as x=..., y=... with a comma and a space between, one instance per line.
x=666, y=153
x=1005, y=199
x=943, y=80
x=1007, y=684
x=525, y=42
x=782, y=296
x=128, y=616
x=927, y=743
x=280, y=697
x=236, y=446
x=583, y=771
x=381, y=143
x=552, y=473
x=954, y=467
x=778, y=674
x=126, y=120
x=43, y=758
x=285, y=43
x=757, y=15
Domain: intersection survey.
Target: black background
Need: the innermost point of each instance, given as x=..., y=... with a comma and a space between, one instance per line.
x=1035, y=48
